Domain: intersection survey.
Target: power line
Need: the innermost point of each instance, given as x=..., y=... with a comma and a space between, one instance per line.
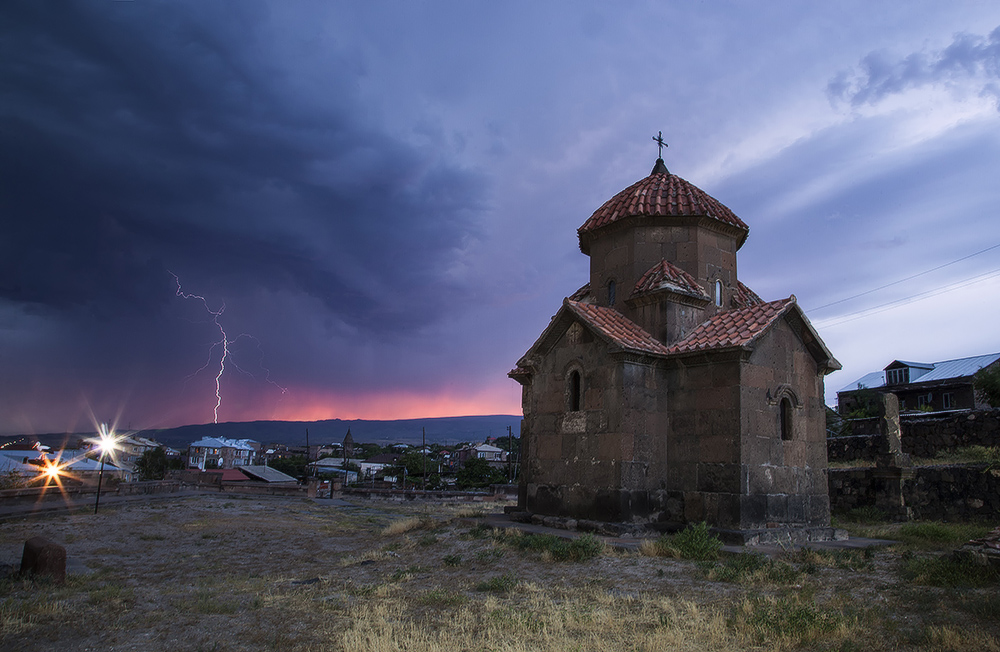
x=874, y=310
x=903, y=280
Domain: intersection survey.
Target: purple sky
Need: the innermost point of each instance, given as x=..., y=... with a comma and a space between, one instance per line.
x=386, y=195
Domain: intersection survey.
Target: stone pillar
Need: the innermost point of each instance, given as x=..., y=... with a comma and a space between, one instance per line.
x=892, y=466
x=42, y=557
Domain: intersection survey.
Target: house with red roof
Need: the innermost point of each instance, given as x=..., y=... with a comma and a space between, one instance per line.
x=666, y=391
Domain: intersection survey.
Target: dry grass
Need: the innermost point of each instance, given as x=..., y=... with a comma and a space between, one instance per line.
x=291, y=575
x=947, y=637
x=402, y=526
x=584, y=620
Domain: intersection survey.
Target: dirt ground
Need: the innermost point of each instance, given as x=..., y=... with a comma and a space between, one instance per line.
x=218, y=572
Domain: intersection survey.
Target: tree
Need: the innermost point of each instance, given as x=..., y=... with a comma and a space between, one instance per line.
x=152, y=465
x=864, y=403
x=987, y=385
x=294, y=466
x=477, y=472
x=364, y=450
x=414, y=463
x=509, y=444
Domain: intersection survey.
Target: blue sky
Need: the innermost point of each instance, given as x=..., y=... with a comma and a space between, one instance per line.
x=386, y=195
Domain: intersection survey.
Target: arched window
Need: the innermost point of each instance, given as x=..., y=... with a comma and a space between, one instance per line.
x=575, y=391
x=718, y=293
x=785, y=408
x=611, y=293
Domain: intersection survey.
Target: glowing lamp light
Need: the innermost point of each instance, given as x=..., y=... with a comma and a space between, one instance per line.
x=107, y=441
x=107, y=444
x=52, y=472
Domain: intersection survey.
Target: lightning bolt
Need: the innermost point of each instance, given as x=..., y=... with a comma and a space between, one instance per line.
x=225, y=343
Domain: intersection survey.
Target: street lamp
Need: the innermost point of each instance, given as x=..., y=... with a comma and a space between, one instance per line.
x=106, y=443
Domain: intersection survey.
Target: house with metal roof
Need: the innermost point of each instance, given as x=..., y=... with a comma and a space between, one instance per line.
x=73, y=463
x=222, y=453
x=665, y=390
x=930, y=386
x=267, y=474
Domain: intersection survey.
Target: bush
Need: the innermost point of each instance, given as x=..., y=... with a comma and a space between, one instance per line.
x=695, y=542
x=987, y=385
x=580, y=549
x=476, y=473
x=152, y=465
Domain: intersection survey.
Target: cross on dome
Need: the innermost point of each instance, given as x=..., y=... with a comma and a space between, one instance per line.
x=660, y=143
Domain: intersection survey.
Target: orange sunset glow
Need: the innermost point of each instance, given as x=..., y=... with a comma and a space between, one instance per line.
x=308, y=405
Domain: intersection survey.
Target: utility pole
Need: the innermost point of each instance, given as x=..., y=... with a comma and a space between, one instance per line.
x=307, y=453
x=423, y=451
x=510, y=454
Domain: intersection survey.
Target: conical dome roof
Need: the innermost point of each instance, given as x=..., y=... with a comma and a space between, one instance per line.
x=661, y=194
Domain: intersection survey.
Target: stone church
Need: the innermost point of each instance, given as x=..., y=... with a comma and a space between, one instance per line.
x=665, y=391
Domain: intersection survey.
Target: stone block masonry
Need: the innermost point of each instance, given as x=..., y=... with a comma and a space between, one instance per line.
x=922, y=436
x=932, y=493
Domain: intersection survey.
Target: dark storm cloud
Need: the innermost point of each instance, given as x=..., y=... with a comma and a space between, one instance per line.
x=133, y=140
x=881, y=74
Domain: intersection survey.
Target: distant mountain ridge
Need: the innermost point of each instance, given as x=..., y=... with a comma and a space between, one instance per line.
x=440, y=430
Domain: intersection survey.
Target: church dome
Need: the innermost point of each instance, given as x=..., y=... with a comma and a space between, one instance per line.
x=661, y=195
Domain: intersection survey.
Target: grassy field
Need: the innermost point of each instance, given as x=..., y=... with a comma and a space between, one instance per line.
x=223, y=573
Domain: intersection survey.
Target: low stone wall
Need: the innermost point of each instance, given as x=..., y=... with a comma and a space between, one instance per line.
x=148, y=487
x=932, y=492
x=196, y=477
x=39, y=493
x=263, y=488
x=500, y=492
x=923, y=435
x=853, y=448
x=851, y=488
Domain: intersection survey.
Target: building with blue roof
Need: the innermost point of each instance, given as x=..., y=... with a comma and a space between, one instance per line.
x=945, y=385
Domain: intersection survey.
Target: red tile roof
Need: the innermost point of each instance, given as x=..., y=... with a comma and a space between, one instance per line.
x=582, y=294
x=229, y=475
x=617, y=327
x=667, y=276
x=661, y=194
x=733, y=328
x=745, y=297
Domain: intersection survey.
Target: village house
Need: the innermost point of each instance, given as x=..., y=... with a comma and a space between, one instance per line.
x=132, y=447
x=74, y=464
x=492, y=454
x=374, y=465
x=665, y=390
x=222, y=453
x=929, y=386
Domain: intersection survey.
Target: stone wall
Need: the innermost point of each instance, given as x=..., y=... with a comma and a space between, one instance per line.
x=263, y=488
x=922, y=435
x=932, y=492
x=148, y=487
x=495, y=493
